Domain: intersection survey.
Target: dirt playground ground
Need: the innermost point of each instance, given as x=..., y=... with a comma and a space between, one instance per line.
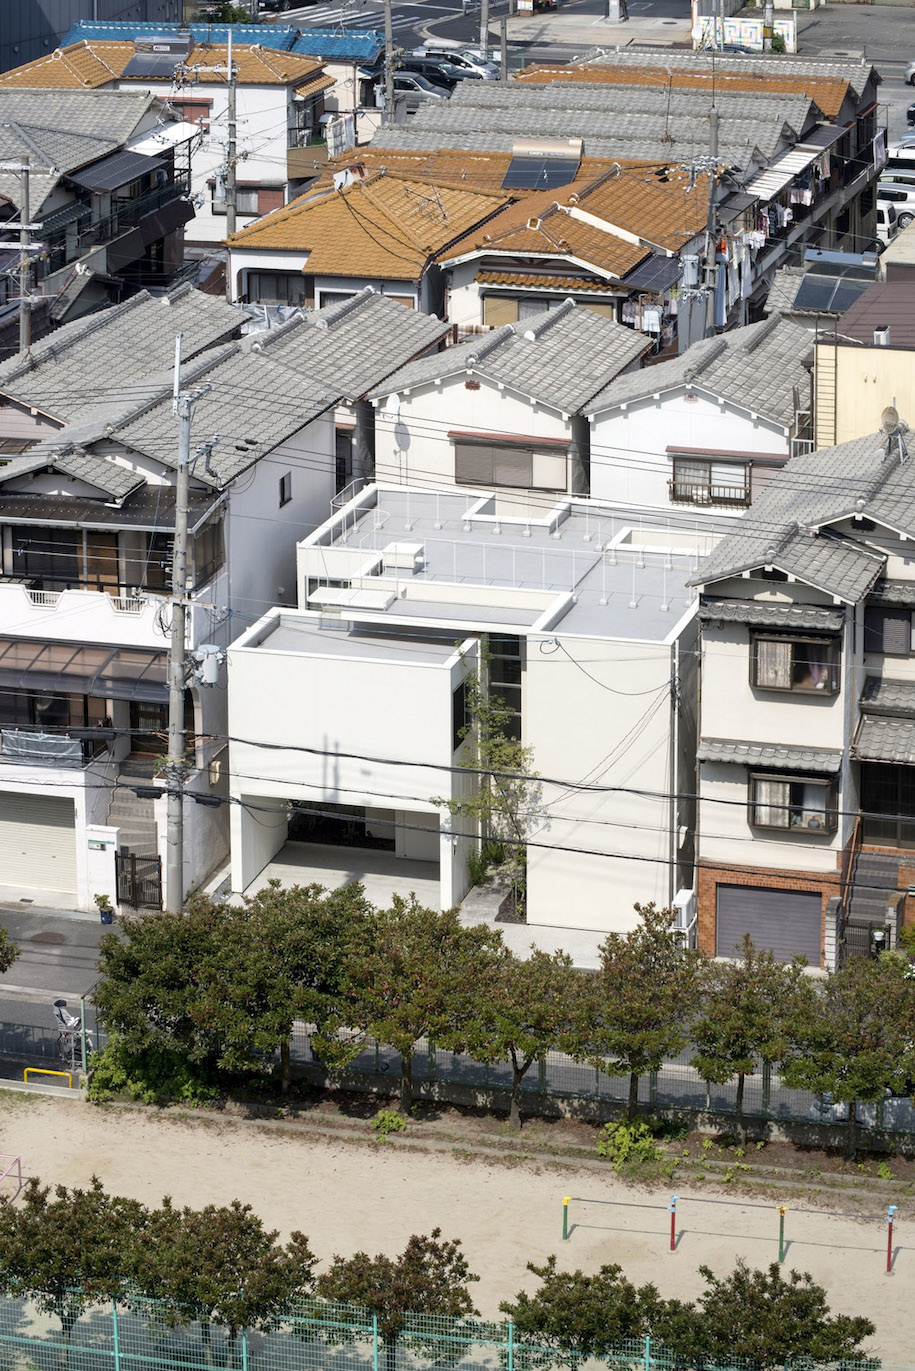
x=348, y=1196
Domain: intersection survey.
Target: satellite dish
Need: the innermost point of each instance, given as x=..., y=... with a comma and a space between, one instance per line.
x=889, y=420
x=392, y=403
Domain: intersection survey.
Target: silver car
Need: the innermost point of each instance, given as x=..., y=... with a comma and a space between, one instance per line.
x=910, y=74
x=417, y=89
x=466, y=58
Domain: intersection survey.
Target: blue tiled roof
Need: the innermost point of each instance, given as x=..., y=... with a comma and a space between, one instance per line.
x=267, y=35
x=336, y=45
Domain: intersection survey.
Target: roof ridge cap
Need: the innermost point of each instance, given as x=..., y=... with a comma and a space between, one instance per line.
x=489, y=345
x=550, y=320
x=719, y=346
x=763, y=331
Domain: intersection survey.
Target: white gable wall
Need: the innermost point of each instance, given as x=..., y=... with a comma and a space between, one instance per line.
x=629, y=458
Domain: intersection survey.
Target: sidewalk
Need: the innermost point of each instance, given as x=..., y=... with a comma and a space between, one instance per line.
x=567, y=29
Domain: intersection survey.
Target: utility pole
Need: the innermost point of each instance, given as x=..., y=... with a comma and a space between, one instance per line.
x=25, y=265
x=503, y=36
x=182, y=405
x=484, y=29
x=388, y=64
x=231, y=159
x=711, y=224
x=768, y=25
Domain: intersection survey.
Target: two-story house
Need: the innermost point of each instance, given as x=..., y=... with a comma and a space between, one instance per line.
x=87, y=511
x=807, y=726
x=590, y=644
x=108, y=191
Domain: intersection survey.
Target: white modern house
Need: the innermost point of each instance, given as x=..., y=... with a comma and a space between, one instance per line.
x=807, y=726
x=590, y=636
x=709, y=428
x=504, y=410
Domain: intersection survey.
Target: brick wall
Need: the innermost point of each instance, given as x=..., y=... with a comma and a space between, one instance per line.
x=710, y=874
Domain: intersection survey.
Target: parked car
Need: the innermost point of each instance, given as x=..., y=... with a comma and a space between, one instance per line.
x=910, y=74
x=468, y=61
x=910, y=120
x=439, y=73
x=901, y=197
x=886, y=223
x=417, y=89
x=739, y=48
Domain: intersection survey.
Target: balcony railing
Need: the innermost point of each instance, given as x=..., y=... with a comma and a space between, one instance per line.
x=702, y=493
x=64, y=748
x=127, y=214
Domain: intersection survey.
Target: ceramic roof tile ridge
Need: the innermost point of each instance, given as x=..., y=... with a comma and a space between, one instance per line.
x=116, y=480
x=52, y=346
x=489, y=345
x=364, y=187
x=46, y=163
x=763, y=332
x=267, y=338
x=328, y=319
x=101, y=61
x=552, y=317
x=703, y=363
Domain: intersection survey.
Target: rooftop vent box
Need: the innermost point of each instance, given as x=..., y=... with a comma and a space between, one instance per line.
x=157, y=55
x=166, y=44
x=403, y=556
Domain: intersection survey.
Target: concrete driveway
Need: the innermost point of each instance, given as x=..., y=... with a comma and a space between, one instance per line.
x=382, y=874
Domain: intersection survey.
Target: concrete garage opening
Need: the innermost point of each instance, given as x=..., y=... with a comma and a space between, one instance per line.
x=787, y=921
x=389, y=851
x=38, y=849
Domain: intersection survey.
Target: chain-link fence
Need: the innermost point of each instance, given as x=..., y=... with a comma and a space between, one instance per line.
x=318, y=1336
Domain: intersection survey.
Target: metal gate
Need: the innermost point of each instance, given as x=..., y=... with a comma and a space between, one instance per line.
x=139, y=880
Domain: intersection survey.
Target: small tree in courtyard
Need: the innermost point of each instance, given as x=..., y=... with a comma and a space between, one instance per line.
x=429, y=1277
x=633, y=1012
x=745, y=1007
x=9, y=951
x=852, y=1036
x=421, y=974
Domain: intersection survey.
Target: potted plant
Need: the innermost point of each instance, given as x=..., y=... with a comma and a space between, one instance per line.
x=103, y=905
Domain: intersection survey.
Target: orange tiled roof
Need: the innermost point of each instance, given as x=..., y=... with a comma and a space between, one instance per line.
x=388, y=226
x=480, y=171
x=828, y=92
x=89, y=66
x=541, y=281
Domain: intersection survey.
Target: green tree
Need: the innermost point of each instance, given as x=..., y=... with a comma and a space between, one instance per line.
x=224, y=12
x=633, y=1012
x=219, y=1266
x=760, y=1319
x=579, y=1316
x=220, y=986
x=745, y=1007
x=852, y=1036
x=9, y=951
x=421, y=974
x=429, y=1277
x=502, y=799
x=525, y=1012
x=67, y=1249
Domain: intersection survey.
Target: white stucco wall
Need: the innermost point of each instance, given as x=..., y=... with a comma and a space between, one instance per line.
x=629, y=458
x=412, y=447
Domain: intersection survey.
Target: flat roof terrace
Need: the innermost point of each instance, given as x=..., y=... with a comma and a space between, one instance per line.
x=584, y=567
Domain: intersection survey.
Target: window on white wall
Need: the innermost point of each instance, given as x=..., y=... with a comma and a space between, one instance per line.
x=510, y=464
x=794, y=803
x=285, y=489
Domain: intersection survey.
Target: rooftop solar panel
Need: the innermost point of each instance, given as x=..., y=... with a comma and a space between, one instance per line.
x=161, y=65
x=539, y=173
x=815, y=293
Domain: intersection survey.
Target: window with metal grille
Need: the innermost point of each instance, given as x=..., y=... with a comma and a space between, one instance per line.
x=275, y=288
x=889, y=631
x=699, y=482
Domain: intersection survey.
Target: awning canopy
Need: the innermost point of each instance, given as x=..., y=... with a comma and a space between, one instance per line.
x=163, y=137
x=112, y=172
x=112, y=673
x=782, y=172
x=767, y=615
x=886, y=740
x=819, y=760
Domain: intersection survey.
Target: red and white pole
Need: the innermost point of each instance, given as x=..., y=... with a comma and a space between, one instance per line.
x=890, y=1216
x=673, y=1222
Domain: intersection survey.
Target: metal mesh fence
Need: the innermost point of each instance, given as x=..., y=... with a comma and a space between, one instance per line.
x=317, y=1336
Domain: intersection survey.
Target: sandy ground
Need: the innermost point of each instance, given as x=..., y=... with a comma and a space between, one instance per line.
x=349, y=1196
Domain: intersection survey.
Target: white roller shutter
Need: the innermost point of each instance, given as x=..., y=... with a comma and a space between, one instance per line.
x=37, y=842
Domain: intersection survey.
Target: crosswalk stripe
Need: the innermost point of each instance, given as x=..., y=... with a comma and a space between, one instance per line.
x=325, y=15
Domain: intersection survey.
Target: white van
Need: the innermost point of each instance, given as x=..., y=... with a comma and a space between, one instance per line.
x=886, y=222
x=901, y=196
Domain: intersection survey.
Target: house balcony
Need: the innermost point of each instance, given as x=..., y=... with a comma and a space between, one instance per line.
x=150, y=216
x=72, y=749
x=306, y=153
x=77, y=614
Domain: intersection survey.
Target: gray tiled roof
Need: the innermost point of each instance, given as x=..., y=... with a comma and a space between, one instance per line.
x=822, y=760
x=108, y=357
x=764, y=615
x=756, y=367
x=885, y=740
x=111, y=477
x=785, y=285
x=788, y=527
x=560, y=359
x=252, y=395
x=893, y=592
x=61, y=130
x=353, y=346
x=881, y=696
